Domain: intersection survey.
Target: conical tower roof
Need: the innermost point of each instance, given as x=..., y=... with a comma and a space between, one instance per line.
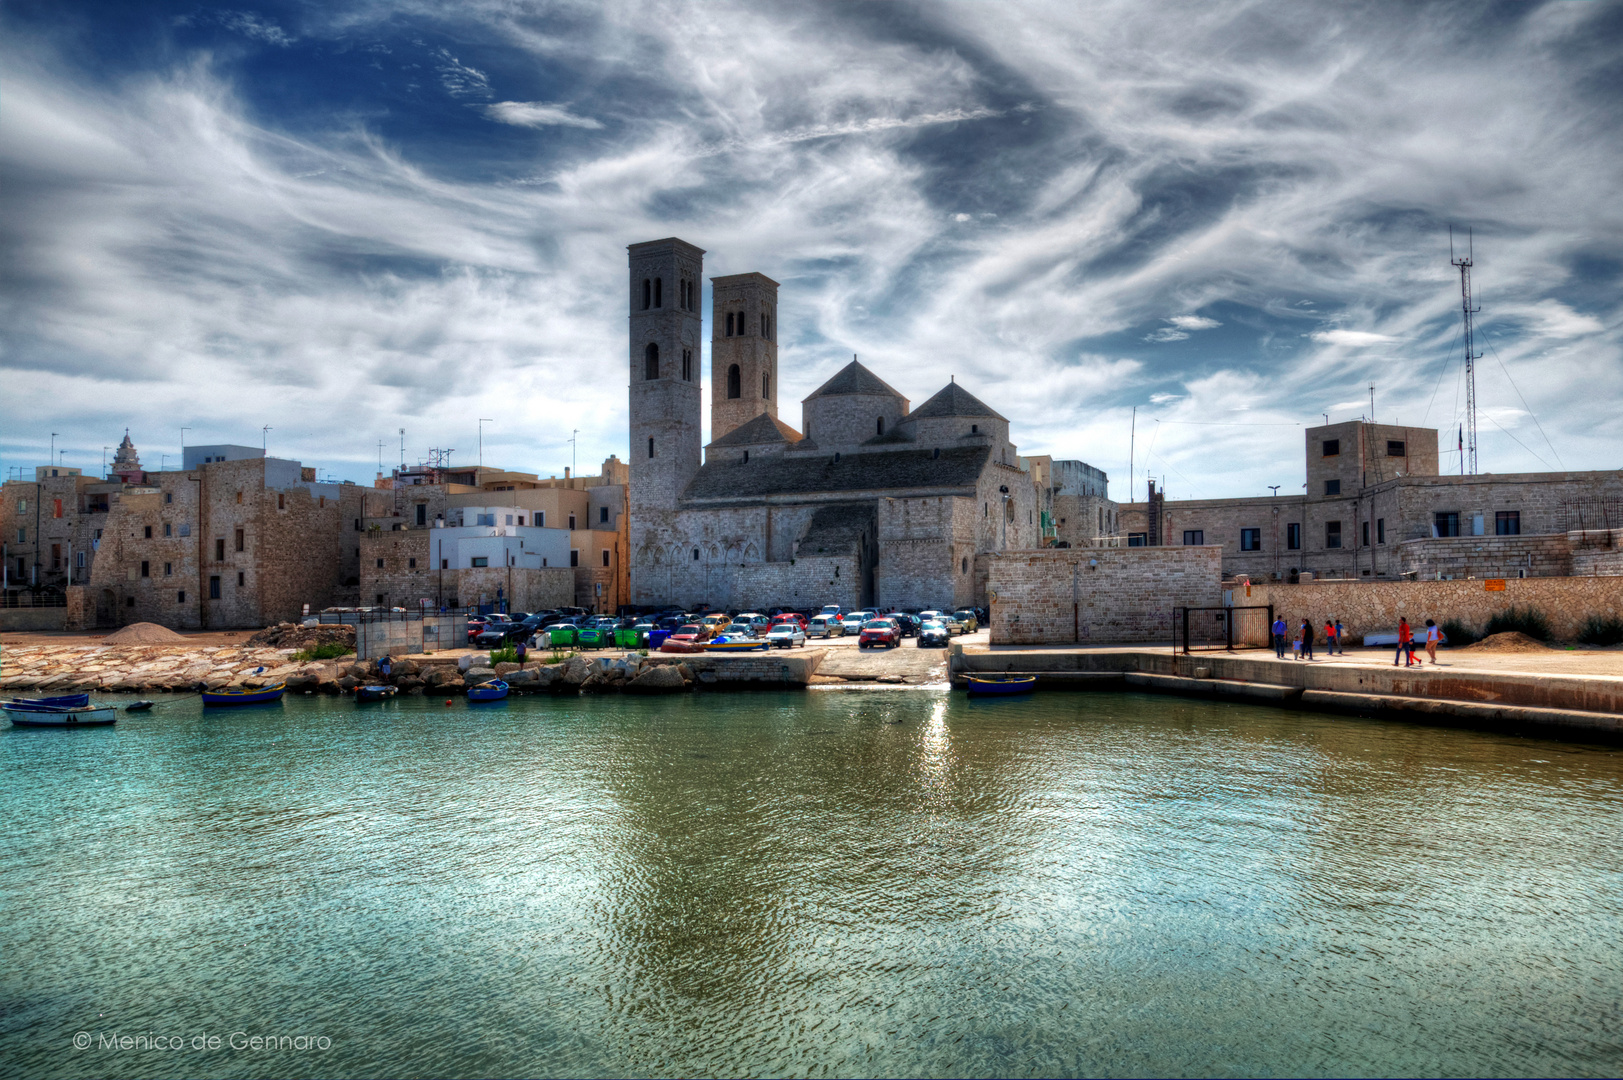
x=853, y=378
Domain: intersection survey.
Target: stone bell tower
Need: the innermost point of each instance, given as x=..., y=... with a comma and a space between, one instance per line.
x=666, y=406
x=743, y=351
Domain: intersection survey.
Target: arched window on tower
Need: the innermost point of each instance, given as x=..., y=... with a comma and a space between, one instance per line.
x=733, y=380
x=763, y=326
x=729, y=324
x=647, y=294
x=650, y=446
x=659, y=292
x=650, y=361
x=741, y=330
x=687, y=365
x=766, y=385
x=881, y=425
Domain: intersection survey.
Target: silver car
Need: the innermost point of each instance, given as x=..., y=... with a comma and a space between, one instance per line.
x=822, y=626
x=786, y=635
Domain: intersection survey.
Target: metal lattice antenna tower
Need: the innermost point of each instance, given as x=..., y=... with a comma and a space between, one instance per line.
x=1471, y=357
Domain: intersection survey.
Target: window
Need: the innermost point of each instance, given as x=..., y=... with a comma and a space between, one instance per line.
x=1332, y=447
x=1366, y=534
x=22, y=536
x=146, y=532
x=357, y=524
x=239, y=540
x=168, y=569
x=214, y=587
x=180, y=597
x=509, y=520
x=281, y=500
x=881, y=425
x=1332, y=487
x=1194, y=537
x=185, y=529
x=166, y=529
x=659, y=292
x=734, y=382
x=1293, y=536
x=650, y=361
x=974, y=429
x=740, y=324
x=687, y=365
x=1505, y=523
x=79, y=559
x=380, y=564
x=1250, y=539
x=695, y=554
x=1138, y=539
x=169, y=497
x=129, y=601
x=1380, y=530
x=574, y=557
x=605, y=556
x=602, y=513
x=479, y=560
x=647, y=294
x=746, y=457
x=650, y=446
x=541, y=516
x=729, y=324
x=219, y=550
x=56, y=510
x=571, y=521
x=521, y=522
x=1395, y=448
x=422, y=514
x=146, y=570
x=1446, y=524
x=241, y=577
x=766, y=385
x=1332, y=534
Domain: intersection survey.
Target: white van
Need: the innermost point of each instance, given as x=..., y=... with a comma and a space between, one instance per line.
x=825, y=626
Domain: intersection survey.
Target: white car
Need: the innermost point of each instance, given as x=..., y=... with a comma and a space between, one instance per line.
x=830, y=611
x=825, y=626
x=852, y=623
x=786, y=635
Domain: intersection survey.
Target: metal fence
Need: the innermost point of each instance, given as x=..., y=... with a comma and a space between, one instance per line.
x=401, y=633
x=33, y=599
x=1206, y=629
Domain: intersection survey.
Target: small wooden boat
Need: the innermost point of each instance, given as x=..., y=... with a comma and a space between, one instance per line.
x=999, y=685
x=69, y=716
x=681, y=646
x=727, y=643
x=375, y=693
x=61, y=701
x=138, y=706
x=494, y=690
x=242, y=695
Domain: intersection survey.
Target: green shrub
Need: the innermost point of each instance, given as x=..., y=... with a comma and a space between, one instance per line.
x=330, y=651
x=1527, y=620
x=559, y=656
x=1458, y=633
x=1602, y=630
x=508, y=655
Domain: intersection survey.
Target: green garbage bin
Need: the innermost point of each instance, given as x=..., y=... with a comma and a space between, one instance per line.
x=558, y=636
x=627, y=637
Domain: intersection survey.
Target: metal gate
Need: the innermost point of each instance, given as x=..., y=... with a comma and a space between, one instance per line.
x=1201, y=633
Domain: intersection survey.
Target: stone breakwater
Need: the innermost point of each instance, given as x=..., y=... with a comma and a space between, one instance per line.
x=34, y=670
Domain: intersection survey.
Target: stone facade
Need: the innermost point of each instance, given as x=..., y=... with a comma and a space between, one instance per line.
x=51, y=528
x=1374, y=607
x=1378, y=502
x=743, y=351
x=1104, y=595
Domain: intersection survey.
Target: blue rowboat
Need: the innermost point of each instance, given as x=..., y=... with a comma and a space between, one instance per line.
x=375, y=693
x=1000, y=685
x=494, y=690
x=70, y=716
x=241, y=695
x=735, y=644
x=61, y=701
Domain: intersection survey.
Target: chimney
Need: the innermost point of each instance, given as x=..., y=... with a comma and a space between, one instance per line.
x=566, y=472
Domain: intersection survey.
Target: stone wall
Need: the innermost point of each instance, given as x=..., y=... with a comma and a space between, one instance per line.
x=1597, y=552
x=540, y=589
x=926, y=553
x=1487, y=557
x=1374, y=607
x=1098, y=595
x=804, y=584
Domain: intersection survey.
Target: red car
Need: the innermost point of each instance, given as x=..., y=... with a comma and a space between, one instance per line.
x=791, y=616
x=880, y=632
x=690, y=632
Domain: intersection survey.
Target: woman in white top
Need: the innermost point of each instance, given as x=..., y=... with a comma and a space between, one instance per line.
x=1433, y=632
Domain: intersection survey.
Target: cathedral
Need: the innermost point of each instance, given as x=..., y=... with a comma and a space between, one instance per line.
x=871, y=503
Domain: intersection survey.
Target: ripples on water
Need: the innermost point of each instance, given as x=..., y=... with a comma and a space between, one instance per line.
x=820, y=883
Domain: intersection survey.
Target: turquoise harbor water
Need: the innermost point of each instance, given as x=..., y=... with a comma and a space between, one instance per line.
x=816, y=883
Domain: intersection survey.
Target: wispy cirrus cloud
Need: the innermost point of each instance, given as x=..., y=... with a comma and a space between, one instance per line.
x=538, y=114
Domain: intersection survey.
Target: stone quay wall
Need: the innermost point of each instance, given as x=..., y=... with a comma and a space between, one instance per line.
x=1374, y=607
x=1098, y=595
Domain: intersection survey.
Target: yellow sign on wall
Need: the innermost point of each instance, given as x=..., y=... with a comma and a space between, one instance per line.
x=1494, y=584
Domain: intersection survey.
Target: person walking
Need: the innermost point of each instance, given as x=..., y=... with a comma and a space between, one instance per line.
x=1307, y=638
x=1405, y=643
x=522, y=649
x=1330, y=637
x=1341, y=638
x=1433, y=633
x=1279, y=637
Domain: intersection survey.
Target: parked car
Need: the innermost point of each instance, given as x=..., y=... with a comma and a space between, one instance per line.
x=967, y=617
x=789, y=617
x=934, y=634
x=825, y=626
x=954, y=624
x=739, y=629
x=693, y=632
x=715, y=622
x=754, y=618
x=830, y=611
x=926, y=616
x=786, y=635
x=853, y=621
x=476, y=626
x=880, y=632
x=908, y=624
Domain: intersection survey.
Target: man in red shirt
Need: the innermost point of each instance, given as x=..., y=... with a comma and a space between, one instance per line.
x=1405, y=638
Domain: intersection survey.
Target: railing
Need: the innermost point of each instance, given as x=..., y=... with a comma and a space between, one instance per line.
x=32, y=600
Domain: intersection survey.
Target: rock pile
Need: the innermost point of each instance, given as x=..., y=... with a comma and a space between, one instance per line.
x=296, y=636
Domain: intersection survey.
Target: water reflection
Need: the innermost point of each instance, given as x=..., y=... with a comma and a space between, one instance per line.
x=859, y=884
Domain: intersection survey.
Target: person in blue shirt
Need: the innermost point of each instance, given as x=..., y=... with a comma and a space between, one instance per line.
x=1280, y=630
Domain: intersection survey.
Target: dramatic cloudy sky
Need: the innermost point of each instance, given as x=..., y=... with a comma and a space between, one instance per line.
x=340, y=219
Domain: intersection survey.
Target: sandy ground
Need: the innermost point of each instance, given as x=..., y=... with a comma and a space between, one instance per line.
x=195, y=639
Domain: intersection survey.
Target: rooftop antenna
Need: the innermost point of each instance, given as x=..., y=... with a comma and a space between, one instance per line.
x=573, y=445
x=104, y=460
x=483, y=420
x=1372, y=403
x=1468, y=434
x=1326, y=418
x=380, y=457
x=52, y=459
x=264, y=439
x=402, y=448
x=1132, y=445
